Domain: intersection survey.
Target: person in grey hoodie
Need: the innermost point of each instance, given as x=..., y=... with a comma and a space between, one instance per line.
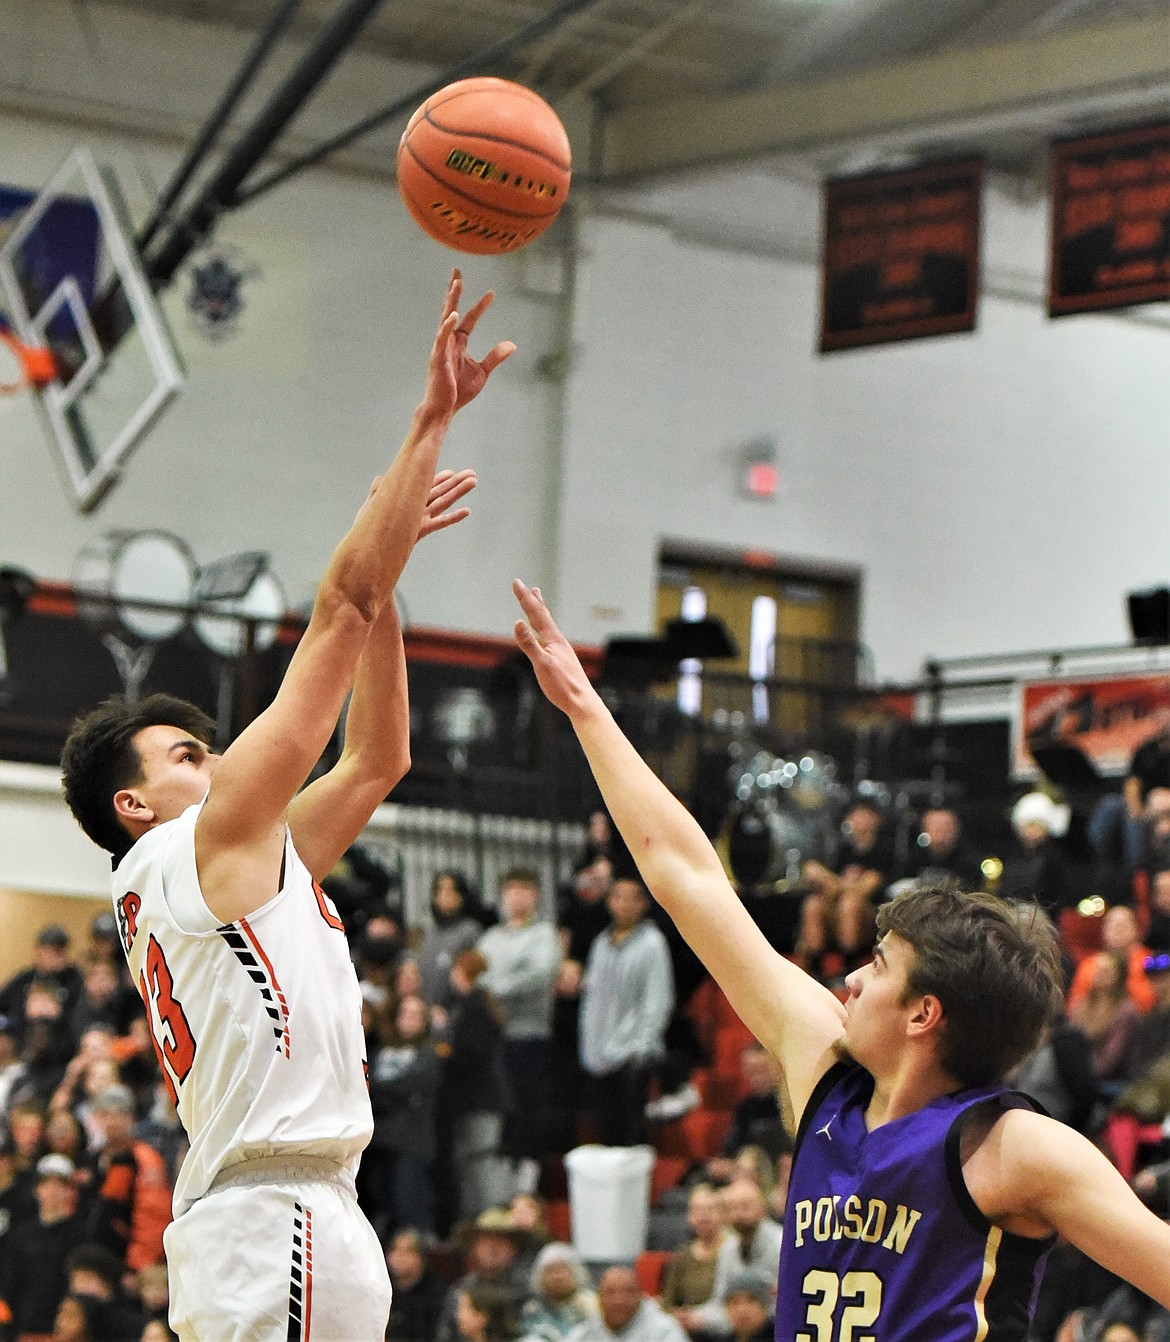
x=627, y=995
x=523, y=955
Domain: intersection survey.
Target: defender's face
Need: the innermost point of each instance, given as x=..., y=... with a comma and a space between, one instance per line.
x=876, y=1004
x=176, y=771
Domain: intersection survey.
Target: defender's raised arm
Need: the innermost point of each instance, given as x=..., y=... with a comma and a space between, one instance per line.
x=793, y=1016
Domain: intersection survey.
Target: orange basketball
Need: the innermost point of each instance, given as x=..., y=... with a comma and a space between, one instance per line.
x=484, y=165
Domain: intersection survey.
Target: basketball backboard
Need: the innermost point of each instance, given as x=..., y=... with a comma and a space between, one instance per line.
x=71, y=278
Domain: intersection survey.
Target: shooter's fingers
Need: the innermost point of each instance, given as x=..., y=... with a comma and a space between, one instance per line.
x=496, y=356
x=454, y=293
x=467, y=325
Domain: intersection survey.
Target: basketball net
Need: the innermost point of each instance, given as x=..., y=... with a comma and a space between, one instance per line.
x=23, y=365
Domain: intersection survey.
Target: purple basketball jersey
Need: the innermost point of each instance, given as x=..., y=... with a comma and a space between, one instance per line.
x=882, y=1240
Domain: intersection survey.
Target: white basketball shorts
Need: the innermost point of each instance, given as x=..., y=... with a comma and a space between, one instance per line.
x=264, y=1259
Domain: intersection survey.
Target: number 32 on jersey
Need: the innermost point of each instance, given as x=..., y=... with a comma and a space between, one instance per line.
x=860, y=1293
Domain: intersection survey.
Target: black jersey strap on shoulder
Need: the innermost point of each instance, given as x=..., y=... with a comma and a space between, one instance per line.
x=836, y=1073
x=953, y=1150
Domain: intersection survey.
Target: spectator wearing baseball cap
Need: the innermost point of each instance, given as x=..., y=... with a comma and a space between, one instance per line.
x=33, y=1279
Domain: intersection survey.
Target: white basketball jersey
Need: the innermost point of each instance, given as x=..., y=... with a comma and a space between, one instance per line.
x=256, y=1023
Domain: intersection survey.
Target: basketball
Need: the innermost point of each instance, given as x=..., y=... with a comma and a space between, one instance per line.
x=484, y=166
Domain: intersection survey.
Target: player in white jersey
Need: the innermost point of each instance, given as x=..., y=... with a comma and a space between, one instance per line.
x=240, y=957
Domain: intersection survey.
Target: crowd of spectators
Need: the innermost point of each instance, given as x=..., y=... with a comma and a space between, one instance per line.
x=500, y=1037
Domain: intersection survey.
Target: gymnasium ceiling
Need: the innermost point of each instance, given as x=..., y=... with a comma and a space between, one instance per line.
x=671, y=84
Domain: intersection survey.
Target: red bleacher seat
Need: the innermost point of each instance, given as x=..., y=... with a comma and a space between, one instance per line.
x=1125, y=1136
x=1080, y=932
x=649, y=1267
x=730, y=1042
x=558, y=1220
x=667, y=1171
x=704, y=1131
x=719, y=1090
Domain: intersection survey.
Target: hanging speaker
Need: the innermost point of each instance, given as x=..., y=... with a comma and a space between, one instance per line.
x=1149, y=616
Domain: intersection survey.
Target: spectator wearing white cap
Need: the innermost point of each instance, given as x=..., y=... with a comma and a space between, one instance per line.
x=33, y=1279
x=1036, y=869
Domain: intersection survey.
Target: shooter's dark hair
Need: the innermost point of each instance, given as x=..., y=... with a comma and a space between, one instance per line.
x=994, y=965
x=100, y=759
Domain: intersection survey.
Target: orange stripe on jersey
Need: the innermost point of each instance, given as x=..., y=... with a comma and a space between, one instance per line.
x=247, y=930
x=308, y=1271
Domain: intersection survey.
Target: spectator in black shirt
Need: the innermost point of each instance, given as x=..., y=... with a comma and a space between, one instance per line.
x=94, y=1274
x=104, y=1001
x=17, y=1200
x=757, y=1120
x=583, y=914
x=50, y=970
x=1123, y=822
x=35, y=1280
x=1036, y=869
x=471, y=1096
x=837, y=917
x=80, y=1318
x=419, y=1291
x=940, y=850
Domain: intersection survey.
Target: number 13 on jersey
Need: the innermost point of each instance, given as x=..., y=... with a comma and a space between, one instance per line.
x=862, y=1294
x=174, y=1044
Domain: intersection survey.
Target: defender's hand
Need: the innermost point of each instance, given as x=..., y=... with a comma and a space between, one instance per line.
x=453, y=376
x=446, y=490
x=449, y=487
x=558, y=672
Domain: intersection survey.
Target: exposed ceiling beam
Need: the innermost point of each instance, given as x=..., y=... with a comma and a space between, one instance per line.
x=1124, y=66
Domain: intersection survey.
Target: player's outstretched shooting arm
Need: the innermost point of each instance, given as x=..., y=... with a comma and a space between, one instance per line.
x=792, y=1015
x=328, y=815
x=239, y=838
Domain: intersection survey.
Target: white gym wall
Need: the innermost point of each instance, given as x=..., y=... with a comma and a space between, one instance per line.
x=1001, y=490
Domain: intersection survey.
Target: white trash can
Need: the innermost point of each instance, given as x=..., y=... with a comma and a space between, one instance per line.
x=609, y=1200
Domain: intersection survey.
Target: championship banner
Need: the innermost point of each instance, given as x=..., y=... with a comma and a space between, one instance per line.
x=1106, y=720
x=901, y=255
x=1110, y=221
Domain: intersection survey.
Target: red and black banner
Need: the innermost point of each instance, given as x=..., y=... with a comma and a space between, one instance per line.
x=901, y=255
x=1110, y=221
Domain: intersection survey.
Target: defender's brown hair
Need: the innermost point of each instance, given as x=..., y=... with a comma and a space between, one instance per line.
x=993, y=964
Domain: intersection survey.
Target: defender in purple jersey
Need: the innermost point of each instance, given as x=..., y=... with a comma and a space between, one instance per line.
x=924, y=1195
